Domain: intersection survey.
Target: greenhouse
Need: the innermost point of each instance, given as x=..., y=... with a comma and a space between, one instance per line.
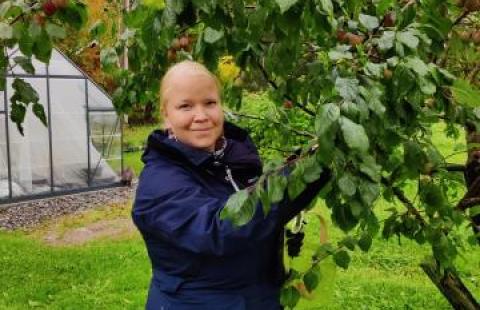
x=81, y=149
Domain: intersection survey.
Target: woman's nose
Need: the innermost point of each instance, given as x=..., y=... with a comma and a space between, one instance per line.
x=200, y=115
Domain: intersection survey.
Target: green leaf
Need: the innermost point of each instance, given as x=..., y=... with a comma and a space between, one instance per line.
x=369, y=192
x=289, y=297
x=312, y=278
x=98, y=29
x=35, y=31
x=347, y=184
x=295, y=186
x=383, y=6
x=285, y=4
x=4, y=8
x=326, y=6
x=176, y=5
x=370, y=168
x=17, y=114
x=75, y=14
x=465, y=94
x=347, y=88
x=327, y=115
x=6, y=31
x=413, y=157
x=354, y=135
x=348, y=242
x=474, y=211
x=342, y=259
x=408, y=38
x=42, y=47
x=369, y=22
x=211, y=35
x=39, y=112
x=24, y=92
x=262, y=195
x=233, y=206
x=154, y=4
x=276, y=187
x=374, y=70
x=25, y=63
x=55, y=31
x=108, y=57
x=418, y=66
x=385, y=42
x=338, y=54
x=312, y=171
x=343, y=217
x=365, y=242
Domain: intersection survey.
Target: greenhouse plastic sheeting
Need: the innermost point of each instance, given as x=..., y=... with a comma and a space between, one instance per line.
x=80, y=149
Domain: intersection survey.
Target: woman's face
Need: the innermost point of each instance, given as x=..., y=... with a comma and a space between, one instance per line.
x=192, y=109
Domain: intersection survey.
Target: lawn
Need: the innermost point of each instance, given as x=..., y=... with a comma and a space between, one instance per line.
x=114, y=273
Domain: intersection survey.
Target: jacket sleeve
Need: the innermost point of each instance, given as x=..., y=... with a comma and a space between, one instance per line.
x=290, y=208
x=171, y=206
x=189, y=218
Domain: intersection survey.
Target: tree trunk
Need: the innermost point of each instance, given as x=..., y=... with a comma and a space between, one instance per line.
x=472, y=173
x=451, y=287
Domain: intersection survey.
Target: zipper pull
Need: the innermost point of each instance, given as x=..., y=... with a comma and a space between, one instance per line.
x=230, y=178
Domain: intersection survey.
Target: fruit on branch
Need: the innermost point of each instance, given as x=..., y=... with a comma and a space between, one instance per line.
x=464, y=35
x=39, y=18
x=342, y=36
x=476, y=37
x=172, y=55
x=49, y=8
x=387, y=73
x=184, y=42
x=430, y=103
x=175, y=44
x=471, y=5
x=60, y=4
x=355, y=39
x=389, y=19
x=351, y=38
x=287, y=104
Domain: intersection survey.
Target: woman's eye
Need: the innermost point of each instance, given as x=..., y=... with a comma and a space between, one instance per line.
x=185, y=106
x=211, y=103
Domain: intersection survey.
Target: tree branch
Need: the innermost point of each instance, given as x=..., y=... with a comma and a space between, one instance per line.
x=473, y=74
x=460, y=18
x=254, y=117
x=408, y=204
x=275, y=86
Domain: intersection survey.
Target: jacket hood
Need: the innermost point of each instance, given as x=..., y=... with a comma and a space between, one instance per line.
x=240, y=149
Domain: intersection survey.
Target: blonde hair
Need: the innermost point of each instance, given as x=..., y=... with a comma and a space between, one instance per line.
x=189, y=66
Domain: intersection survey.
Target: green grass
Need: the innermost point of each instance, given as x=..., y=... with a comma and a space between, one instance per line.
x=114, y=274
x=101, y=275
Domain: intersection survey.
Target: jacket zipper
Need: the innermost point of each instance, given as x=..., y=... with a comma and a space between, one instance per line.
x=230, y=179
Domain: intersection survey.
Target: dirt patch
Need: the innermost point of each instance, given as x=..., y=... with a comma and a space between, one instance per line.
x=111, y=229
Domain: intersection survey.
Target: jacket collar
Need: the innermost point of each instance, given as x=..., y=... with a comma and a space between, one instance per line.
x=239, y=148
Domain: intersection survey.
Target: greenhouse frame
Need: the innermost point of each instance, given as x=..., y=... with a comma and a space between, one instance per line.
x=79, y=150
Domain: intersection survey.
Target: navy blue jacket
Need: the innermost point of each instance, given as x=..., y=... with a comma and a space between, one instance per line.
x=198, y=260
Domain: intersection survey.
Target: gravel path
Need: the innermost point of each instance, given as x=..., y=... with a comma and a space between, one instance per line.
x=27, y=215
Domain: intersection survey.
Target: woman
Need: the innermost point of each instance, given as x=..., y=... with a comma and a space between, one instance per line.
x=191, y=168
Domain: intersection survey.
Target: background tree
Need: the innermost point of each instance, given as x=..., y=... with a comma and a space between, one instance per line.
x=32, y=26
